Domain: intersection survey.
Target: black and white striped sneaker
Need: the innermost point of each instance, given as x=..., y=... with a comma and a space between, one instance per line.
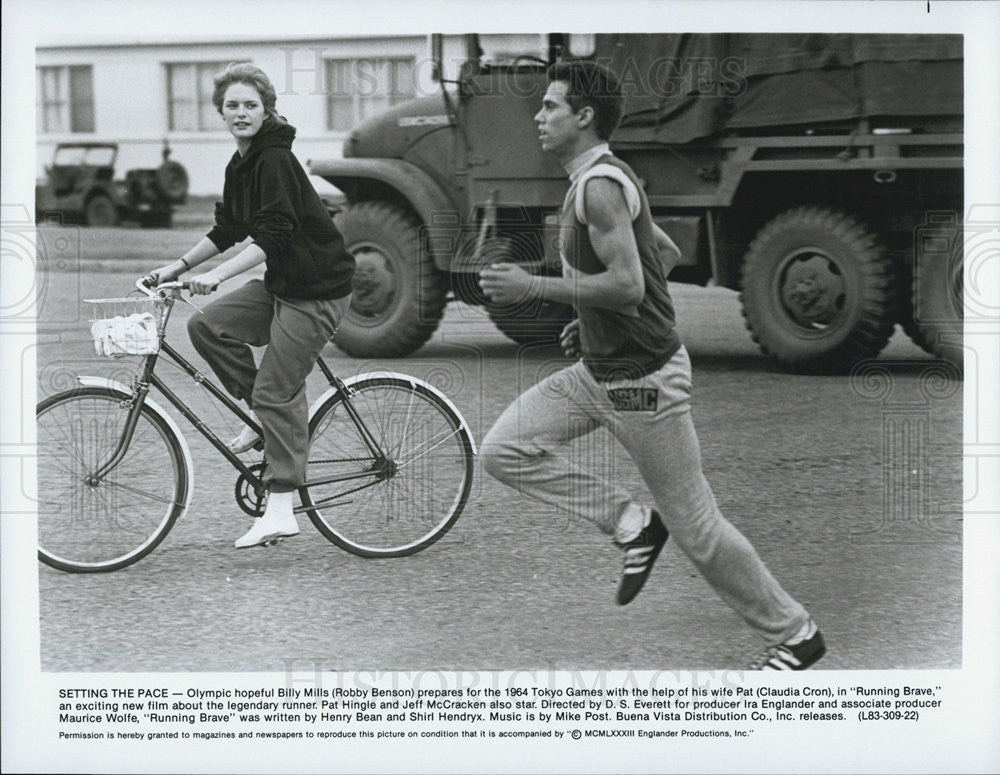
x=640, y=554
x=798, y=653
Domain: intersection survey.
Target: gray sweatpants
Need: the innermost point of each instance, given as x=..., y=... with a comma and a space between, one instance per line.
x=651, y=417
x=295, y=331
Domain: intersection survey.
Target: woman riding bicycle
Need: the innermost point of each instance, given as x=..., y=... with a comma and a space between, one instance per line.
x=294, y=311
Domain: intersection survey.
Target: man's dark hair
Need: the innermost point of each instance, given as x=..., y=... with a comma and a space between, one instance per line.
x=591, y=84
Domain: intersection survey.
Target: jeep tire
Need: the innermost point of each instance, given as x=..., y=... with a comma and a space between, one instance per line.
x=101, y=211
x=157, y=219
x=172, y=181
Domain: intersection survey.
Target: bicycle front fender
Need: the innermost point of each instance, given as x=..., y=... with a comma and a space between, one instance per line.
x=405, y=378
x=87, y=381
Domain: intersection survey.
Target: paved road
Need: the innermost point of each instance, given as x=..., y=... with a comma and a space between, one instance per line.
x=864, y=530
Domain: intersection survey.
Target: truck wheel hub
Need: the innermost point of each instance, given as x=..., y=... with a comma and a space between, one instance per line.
x=811, y=288
x=374, y=283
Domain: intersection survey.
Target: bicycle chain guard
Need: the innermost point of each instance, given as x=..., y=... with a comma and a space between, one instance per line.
x=247, y=496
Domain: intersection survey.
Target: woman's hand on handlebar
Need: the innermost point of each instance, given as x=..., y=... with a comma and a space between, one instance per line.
x=204, y=283
x=166, y=274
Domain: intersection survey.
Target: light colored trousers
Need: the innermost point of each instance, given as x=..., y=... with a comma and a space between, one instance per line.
x=521, y=450
x=295, y=331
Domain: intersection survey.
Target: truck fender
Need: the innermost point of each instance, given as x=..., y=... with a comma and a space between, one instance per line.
x=420, y=190
x=154, y=407
x=405, y=378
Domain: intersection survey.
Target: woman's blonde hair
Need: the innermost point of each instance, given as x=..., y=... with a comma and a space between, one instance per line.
x=246, y=73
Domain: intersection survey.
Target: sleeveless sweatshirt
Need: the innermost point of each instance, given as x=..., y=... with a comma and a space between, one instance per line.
x=616, y=345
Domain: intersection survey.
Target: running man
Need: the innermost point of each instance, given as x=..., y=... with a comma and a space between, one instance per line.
x=634, y=378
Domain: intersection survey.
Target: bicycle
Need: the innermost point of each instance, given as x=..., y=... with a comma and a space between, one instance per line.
x=115, y=471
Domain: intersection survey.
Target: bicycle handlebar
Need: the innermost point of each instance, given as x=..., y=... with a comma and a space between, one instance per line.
x=144, y=285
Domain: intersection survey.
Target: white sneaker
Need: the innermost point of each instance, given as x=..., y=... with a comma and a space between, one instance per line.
x=246, y=439
x=278, y=521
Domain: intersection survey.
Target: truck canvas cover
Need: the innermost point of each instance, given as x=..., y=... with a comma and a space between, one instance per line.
x=681, y=87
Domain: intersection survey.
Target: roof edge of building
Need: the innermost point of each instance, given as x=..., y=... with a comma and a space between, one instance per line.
x=69, y=42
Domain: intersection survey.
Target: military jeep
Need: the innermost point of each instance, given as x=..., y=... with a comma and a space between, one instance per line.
x=80, y=187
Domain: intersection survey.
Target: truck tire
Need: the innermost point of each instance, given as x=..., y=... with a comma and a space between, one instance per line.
x=931, y=308
x=817, y=290
x=531, y=321
x=101, y=211
x=541, y=324
x=399, y=295
x=172, y=180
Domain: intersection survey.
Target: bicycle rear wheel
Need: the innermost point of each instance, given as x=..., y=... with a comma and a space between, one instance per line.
x=88, y=527
x=409, y=499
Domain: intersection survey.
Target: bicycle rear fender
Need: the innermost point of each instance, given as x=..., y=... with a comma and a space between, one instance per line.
x=405, y=378
x=157, y=410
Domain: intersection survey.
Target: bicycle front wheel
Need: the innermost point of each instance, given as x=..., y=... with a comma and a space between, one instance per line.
x=87, y=526
x=406, y=495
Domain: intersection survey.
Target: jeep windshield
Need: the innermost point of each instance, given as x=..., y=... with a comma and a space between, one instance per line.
x=70, y=156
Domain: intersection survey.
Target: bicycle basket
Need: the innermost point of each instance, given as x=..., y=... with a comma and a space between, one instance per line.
x=126, y=326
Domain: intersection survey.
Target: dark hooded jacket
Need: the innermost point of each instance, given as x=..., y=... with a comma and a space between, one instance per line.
x=268, y=196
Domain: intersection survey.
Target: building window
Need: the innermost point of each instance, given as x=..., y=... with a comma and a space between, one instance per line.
x=66, y=99
x=358, y=88
x=189, y=96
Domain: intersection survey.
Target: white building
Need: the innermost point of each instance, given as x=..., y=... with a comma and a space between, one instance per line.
x=140, y=93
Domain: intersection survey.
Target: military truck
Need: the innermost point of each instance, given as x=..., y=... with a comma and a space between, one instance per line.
x=821, y=176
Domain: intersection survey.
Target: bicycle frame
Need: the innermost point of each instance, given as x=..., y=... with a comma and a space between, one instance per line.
x=148, y=378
